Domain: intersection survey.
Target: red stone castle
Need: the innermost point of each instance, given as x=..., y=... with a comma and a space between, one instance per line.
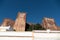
x=20, y=23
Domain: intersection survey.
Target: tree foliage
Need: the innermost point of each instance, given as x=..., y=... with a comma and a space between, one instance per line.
x=34, y=27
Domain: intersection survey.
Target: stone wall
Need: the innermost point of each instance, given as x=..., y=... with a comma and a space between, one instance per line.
x=49, y=23
x=8, y=22
x=20, y=22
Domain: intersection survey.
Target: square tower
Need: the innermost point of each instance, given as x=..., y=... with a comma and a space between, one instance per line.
x=20, y=22
x=49, y=23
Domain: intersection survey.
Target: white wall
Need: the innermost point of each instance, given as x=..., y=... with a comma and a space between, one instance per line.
x=41, y=35
x=15, y=35
x=44, y=35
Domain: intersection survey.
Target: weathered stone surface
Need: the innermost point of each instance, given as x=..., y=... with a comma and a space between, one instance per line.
x=48, y=23
x=20, y=22
x=59, y=28
x=8, y=22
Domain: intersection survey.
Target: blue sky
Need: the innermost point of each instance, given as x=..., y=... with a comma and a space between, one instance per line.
x=35, y=9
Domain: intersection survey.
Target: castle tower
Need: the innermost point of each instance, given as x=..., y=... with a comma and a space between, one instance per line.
x=48, y=23
x=20, y=22
x=7, y=22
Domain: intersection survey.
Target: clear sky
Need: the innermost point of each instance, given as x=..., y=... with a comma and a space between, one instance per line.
x=35, y=9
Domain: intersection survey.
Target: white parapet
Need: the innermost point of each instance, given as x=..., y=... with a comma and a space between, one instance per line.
x=35, y=35
x=46, y=35
x=15, y=35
